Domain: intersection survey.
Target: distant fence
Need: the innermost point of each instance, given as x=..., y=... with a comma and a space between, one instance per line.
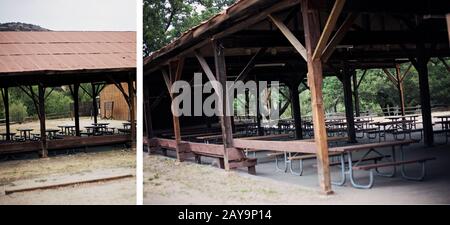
x=85, y=109
x=395, y=110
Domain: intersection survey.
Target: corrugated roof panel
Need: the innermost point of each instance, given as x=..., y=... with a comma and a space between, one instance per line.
x=58, y=51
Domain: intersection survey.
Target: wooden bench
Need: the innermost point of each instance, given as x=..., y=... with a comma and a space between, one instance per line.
x=188, y=149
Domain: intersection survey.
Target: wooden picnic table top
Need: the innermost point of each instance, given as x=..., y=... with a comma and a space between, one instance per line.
x=401, y=117
x=266, y=137
x=330, y=139
x=392, y=122
x=25, y=129
x=64, y=126
x=51, y=130
x=100, y=124
x=359, y=147
x=442, y=116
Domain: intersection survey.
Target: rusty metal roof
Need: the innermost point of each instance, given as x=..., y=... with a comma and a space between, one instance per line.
x=66, y=51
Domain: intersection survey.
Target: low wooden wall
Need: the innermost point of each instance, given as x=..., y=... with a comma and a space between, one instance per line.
x=67, y=143
x=198, y=148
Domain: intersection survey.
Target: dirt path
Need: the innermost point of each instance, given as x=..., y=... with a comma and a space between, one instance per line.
x=169, y=182
x=79, y=166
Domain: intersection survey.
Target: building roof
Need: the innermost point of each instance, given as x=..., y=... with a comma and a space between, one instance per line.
x=50, y=52
x=246, y=14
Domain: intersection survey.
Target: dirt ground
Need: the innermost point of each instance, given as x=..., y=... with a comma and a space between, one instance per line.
x=169, y=182
x=79, y=166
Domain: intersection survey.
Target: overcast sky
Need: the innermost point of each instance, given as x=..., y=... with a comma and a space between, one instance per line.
x=72, y=15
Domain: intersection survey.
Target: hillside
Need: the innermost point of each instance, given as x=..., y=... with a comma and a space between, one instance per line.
x=17, y=26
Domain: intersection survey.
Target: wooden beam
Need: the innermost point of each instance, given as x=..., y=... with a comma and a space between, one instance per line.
x=132, y=110
x=315, y=80
x=390, y=76
x=329, y=27
x=422, y=69
x=279, y=146
x=66, y=184
x=205, y=67
x=445, y=63
x=448, y=25
x=362, y=78
x=225, y=120
x=400, y=89
x=179, y=71
x=348, y=101
x=243, y=74
x=356, y=95
x=233, y=29
x=290, y=36
x=5, y=95
x=338, y=36
x=41, y=112
x=296, y=110
x=406, y=72
x=76, y=108
x=94, y=103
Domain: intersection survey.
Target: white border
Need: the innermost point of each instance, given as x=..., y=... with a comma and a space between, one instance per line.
x=139, y=94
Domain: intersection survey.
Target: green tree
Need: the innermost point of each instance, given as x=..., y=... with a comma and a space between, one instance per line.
x=165, y=20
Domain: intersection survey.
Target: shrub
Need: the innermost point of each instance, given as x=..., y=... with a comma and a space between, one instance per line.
x=17, y=112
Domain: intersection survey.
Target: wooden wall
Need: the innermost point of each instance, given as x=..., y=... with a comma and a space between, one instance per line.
x=111, y=93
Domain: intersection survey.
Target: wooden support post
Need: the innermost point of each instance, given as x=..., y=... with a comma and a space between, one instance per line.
x=225, y=120
x=76, y=108
x=175, y=119
x=132, y=107
x=296, y=110
x=247, y=102
x=348, y=101
x=356, y=95
x=258, y=112
x=315, y=80
x=400, y=89
x=94, y=102
x=448, y=26
x=41, y=103
x=5, y=96
x=422, y=69
x=148, y=115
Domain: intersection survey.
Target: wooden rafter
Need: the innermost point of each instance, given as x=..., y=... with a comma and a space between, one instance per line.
x=406, y=73
x=290, y=36
x=329, y=27
x=49, y=93
x=362, y=78
x=250, y=65
x=338, y=36
x=445, y=62
x=390, y=76
x=205, y=67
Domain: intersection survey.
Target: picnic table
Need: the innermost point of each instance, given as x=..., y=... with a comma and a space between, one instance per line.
x=92, y=130
x=52, y=133
x=126, y=125
x=25, y=133
x=394, y=127
x=67, y=129
x=349, y=166
x=4, y=135
x=444, y=121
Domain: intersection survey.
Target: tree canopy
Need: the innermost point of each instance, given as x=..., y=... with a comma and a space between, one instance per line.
x=165, y=20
